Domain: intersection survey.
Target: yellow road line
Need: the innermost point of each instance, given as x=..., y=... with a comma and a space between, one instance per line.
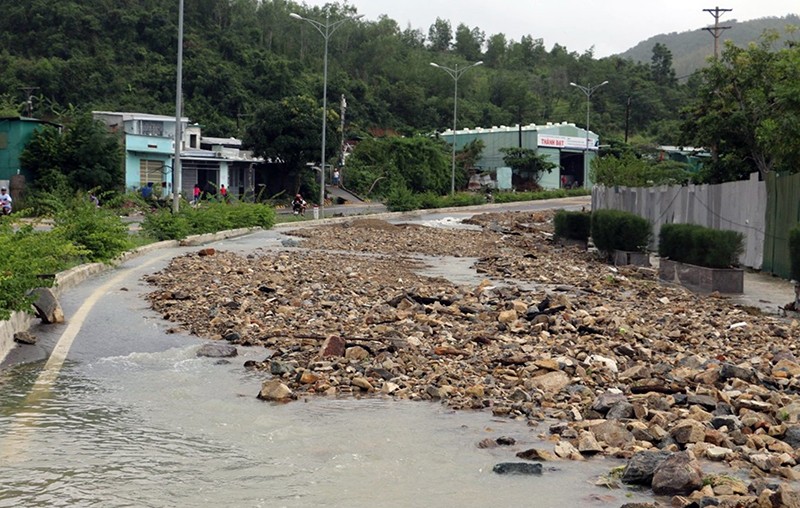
x=22, y=427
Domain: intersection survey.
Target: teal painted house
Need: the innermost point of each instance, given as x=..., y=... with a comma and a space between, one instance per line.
x=15, y=132
x=149, y=143
x=570, y=148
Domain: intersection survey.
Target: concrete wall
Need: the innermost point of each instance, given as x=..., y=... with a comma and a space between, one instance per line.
x=737, y=206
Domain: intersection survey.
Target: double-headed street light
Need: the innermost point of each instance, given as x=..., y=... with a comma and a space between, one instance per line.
x=326, y=30
x=455, y=74
x=588, y=91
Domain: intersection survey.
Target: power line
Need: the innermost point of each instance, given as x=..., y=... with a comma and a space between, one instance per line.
x=716, y=30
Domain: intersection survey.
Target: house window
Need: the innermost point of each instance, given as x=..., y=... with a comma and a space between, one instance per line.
x=193, y=140
x=151, y=171
x=151, y=128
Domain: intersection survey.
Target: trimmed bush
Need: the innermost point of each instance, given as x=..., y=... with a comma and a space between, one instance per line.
x=794, y=252
x=572, y=225
x=619, y=230
x=698, y=245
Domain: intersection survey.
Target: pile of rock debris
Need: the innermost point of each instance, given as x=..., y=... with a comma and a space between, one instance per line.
x=631, y=367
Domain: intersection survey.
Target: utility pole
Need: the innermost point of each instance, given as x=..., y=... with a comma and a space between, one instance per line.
x=344, y=109
x=716, y=30
x=627, y=117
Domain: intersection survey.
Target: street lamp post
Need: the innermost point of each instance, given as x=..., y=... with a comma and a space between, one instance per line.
x=176, y=166
x=455, y=74
x=588, y=91
x=326, y=30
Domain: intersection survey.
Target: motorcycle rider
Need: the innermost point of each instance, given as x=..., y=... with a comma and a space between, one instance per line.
x=299, y=205
x=5, y=200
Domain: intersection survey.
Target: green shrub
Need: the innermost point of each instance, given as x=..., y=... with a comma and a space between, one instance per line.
x=402, y=199
x=572, y=225
x=164, y=225
x=698, y=245
x=27, y=256
x=247, y=215
x=100, y=232
x=511, y=197
x=619, y=230
x=207, y=218
x=430, y=199
x=794, y=252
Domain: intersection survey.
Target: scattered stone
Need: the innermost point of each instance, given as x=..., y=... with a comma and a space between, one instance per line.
x=333, y=346
x=535, y=454
x=208, y=251
x=506, y=441
x=274, y=390
x=25, y=337
x=217, y=350
x=518, y=468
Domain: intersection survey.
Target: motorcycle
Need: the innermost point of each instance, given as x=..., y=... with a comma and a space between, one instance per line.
x=299, y=209
x=6, y=208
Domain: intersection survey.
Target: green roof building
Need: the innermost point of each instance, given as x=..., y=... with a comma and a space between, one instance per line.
x=15, y=132
x=569, y=147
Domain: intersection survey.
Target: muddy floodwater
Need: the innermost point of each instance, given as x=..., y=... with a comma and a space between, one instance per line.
x=170, y=429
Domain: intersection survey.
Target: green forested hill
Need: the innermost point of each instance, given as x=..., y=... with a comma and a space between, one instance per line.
x=690, y=50
x=242, y=55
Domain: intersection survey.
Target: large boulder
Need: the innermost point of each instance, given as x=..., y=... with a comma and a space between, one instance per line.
x=678, y=475
x=640, y=468
x=46, y=304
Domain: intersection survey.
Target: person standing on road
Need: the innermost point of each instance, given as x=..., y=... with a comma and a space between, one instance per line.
x=196, y=193
x=5, y=200
x=223, y=192
x=335, y=177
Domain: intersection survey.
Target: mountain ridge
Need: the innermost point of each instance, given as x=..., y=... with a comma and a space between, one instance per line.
x=691, y=49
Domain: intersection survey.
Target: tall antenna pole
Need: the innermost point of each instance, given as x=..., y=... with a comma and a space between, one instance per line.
x=716, y=30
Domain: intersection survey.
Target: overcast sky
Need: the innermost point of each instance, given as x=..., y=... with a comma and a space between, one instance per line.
x=611, y=26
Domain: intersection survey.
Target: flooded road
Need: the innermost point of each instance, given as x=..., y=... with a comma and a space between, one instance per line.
x=170, y=429
x=134, y=418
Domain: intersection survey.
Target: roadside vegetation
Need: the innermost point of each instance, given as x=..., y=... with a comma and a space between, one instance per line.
x=76, y=230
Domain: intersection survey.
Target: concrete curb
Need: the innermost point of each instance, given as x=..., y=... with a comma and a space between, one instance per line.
x=68, y=279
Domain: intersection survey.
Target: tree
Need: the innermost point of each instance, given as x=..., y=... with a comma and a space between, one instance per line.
x=82, y=157
x=440, y=35
x=527, y=163
x=287, y=133
x=661, y=65
x=419, y=164
x=747, y=111
x=469, y=42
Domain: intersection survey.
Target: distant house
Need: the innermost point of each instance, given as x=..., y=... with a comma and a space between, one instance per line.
x=15, y=132
x=149, y=152
x=567, y=146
